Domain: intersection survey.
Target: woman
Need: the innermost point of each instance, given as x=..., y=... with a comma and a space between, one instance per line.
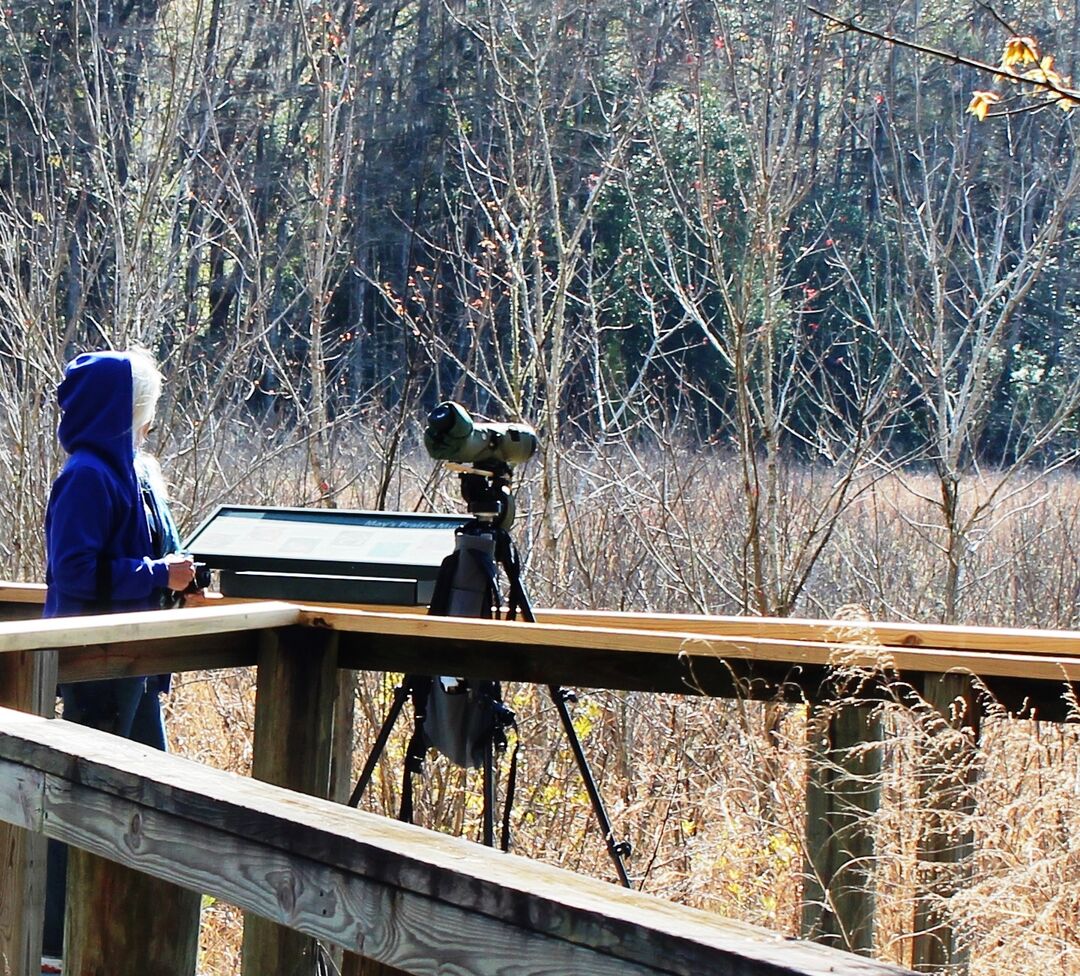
x=110, y=544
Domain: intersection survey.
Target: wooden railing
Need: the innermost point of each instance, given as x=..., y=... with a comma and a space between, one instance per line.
x=305, y=868
x=408, y=897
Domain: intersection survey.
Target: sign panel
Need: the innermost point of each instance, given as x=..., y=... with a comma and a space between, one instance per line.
x=329, y=542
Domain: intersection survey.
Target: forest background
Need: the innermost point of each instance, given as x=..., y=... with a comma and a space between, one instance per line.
x=797, y=331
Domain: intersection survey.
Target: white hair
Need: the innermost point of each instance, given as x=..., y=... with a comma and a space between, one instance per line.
x=146, y=383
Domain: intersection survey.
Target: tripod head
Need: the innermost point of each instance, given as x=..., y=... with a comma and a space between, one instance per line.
x=487, y=494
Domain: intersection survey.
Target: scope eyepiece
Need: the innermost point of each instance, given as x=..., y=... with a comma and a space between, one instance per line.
x=446, y=416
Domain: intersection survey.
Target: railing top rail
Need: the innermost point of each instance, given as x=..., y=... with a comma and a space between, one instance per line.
x=22, y=592
x=714, y=656
x=850, y=648
x=1016, y=640
x=867, y=633
x=117, y=628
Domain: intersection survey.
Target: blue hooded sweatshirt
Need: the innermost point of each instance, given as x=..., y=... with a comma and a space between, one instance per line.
x=97, y=525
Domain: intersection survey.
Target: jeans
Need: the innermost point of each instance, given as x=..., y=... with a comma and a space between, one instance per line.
x=128, y=707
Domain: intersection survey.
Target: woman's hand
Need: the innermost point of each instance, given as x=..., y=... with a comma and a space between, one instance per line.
x=181, y=571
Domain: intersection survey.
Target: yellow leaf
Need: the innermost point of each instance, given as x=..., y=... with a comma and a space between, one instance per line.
x=1019, y=50
x=1045, y=75
x=38, y=217
x=981, y=102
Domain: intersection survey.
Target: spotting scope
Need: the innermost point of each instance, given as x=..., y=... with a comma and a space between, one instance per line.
x=453, y=435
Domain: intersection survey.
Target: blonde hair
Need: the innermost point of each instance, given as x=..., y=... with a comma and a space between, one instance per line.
x=146, y=381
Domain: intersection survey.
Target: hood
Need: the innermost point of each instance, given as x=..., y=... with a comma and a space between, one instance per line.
x=96, y=399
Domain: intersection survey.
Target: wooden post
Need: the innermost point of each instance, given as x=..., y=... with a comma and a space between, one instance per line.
x=341, y=766
x=126, y=923
x=123, y=922
x=946, y=846
x=294, y=718
x=28, y=683
x=843, y=790
x=350, y=964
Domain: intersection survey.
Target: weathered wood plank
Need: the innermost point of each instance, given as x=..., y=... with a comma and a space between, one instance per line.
x=22, y=804
x=27, y=682
x=116, y=628
x=293, y=747
x=843, y=791
x=487, y=887
x=317, y=901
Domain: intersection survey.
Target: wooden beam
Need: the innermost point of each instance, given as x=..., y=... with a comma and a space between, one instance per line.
x=293, y=748
x=121, y=628
x=21, y=601
x=1042, y=655
x=672, y=662
x=624, y=658
x=1007, y=640
x=235, y=649
x=843, y=792
x=1011, y=640
x=517, y=638
x=411, y=898
x=28, y=683
x=150, y=642
x=30, y=594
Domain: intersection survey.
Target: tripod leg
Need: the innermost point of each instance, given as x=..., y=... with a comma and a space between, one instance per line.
x=507, y=557
x=401, y=695
x=489, y=796
x=617, y=850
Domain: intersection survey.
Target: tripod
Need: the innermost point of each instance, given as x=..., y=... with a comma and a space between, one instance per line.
x=467, y=586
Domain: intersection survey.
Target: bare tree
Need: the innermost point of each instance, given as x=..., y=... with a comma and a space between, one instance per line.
x=967, y=255
x=735, y=157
